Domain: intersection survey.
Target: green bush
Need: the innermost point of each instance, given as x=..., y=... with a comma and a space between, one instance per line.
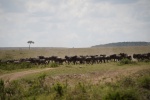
x=53, y=64
x=144, y=82
x=126, y=61
x=14, y=91
x=119, y=94
x=13, y=66
x=79, y=92
x=2, y=90
x=127, y=82
x=59, y=89
x=37, y=86
x=146, y=60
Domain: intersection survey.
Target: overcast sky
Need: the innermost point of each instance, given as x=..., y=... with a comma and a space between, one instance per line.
x=73, y=23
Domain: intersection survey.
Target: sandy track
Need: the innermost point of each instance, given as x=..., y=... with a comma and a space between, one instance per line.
x=17, y=75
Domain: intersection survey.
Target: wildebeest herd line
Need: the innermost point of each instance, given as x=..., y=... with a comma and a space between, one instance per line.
x=88, y=59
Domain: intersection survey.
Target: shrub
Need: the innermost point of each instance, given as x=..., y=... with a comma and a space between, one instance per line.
x=127, y=82
x=119, y=94
x=146, y=60
x=14, y=90
x=12, y=66
x=2, y=90
x=144, y=82
x=54, y=64
x=59, y=88
x=126, y=61
x=79, y=92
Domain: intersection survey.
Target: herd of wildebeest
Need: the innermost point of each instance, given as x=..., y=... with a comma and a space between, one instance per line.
x=88, y=59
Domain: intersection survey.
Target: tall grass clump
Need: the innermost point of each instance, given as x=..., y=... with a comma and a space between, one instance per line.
x=59, y=89
x=126, y=61
x=37, y=86
x=14, y=91
x=144, y=82
x=13, y=66
x=2, y=90
x=146, y=60
x=79, y=92
x=54, y=64
x=127, y=82
x=119, y=94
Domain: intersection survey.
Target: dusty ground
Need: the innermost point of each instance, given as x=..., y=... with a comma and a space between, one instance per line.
x=17, y=75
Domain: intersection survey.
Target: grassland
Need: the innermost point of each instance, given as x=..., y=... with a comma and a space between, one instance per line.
x=17, y=53
x=109, y=81
x=106, y=81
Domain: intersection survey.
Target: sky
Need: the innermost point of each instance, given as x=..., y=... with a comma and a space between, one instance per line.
x=73, y=23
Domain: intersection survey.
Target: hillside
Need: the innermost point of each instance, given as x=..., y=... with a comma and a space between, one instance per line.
x=121, y=44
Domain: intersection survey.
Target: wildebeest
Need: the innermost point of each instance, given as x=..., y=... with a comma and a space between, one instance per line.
x=88, y=59
x=141, y=57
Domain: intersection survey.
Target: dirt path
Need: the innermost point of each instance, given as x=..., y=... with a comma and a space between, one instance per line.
x=16, y=75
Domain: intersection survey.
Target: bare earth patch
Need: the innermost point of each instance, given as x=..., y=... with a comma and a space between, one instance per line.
x=17, y=75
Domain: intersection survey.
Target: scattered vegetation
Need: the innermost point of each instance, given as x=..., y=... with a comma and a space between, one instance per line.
x=144, y=82
x=38, y=88
x=126, y=61
x=127, y=88
x=13, y=66
x=53, y=64
x=2, y=90
x=118, y=94
x=146, y=60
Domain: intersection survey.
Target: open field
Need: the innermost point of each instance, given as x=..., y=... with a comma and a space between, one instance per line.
x=81, y=82
x=17, y=53
x=105, y=81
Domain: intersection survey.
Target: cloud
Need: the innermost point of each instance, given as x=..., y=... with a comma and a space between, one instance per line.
x=12, y=6
x=116, y=1
x=73, y=23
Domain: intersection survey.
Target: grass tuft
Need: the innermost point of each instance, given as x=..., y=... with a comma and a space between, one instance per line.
x=119, y=94
x=126, y=61
x=53, y=64
x=144, y=82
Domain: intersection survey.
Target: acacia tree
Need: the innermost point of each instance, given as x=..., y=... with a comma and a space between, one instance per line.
x=30, y=42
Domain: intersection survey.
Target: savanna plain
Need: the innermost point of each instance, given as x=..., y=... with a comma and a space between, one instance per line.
x=120, y=80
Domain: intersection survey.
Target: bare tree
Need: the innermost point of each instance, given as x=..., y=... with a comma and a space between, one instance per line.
x=30, y=42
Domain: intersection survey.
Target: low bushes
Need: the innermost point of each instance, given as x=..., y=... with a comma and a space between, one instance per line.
x=127, y=94
x=126, y=61
x=53, y=64
x=126, y=88
x=12, y=66
x=144, y=82
x=2, y=90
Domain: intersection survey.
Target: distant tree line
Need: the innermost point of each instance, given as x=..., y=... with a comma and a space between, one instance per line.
x=121, y=44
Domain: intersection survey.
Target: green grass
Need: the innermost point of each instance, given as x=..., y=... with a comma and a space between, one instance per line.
x=38, y=89
x=77, y=82
x=81, y=69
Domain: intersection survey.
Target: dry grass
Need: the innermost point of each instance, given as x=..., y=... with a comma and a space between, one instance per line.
x=17, y=53
x=96, y=79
